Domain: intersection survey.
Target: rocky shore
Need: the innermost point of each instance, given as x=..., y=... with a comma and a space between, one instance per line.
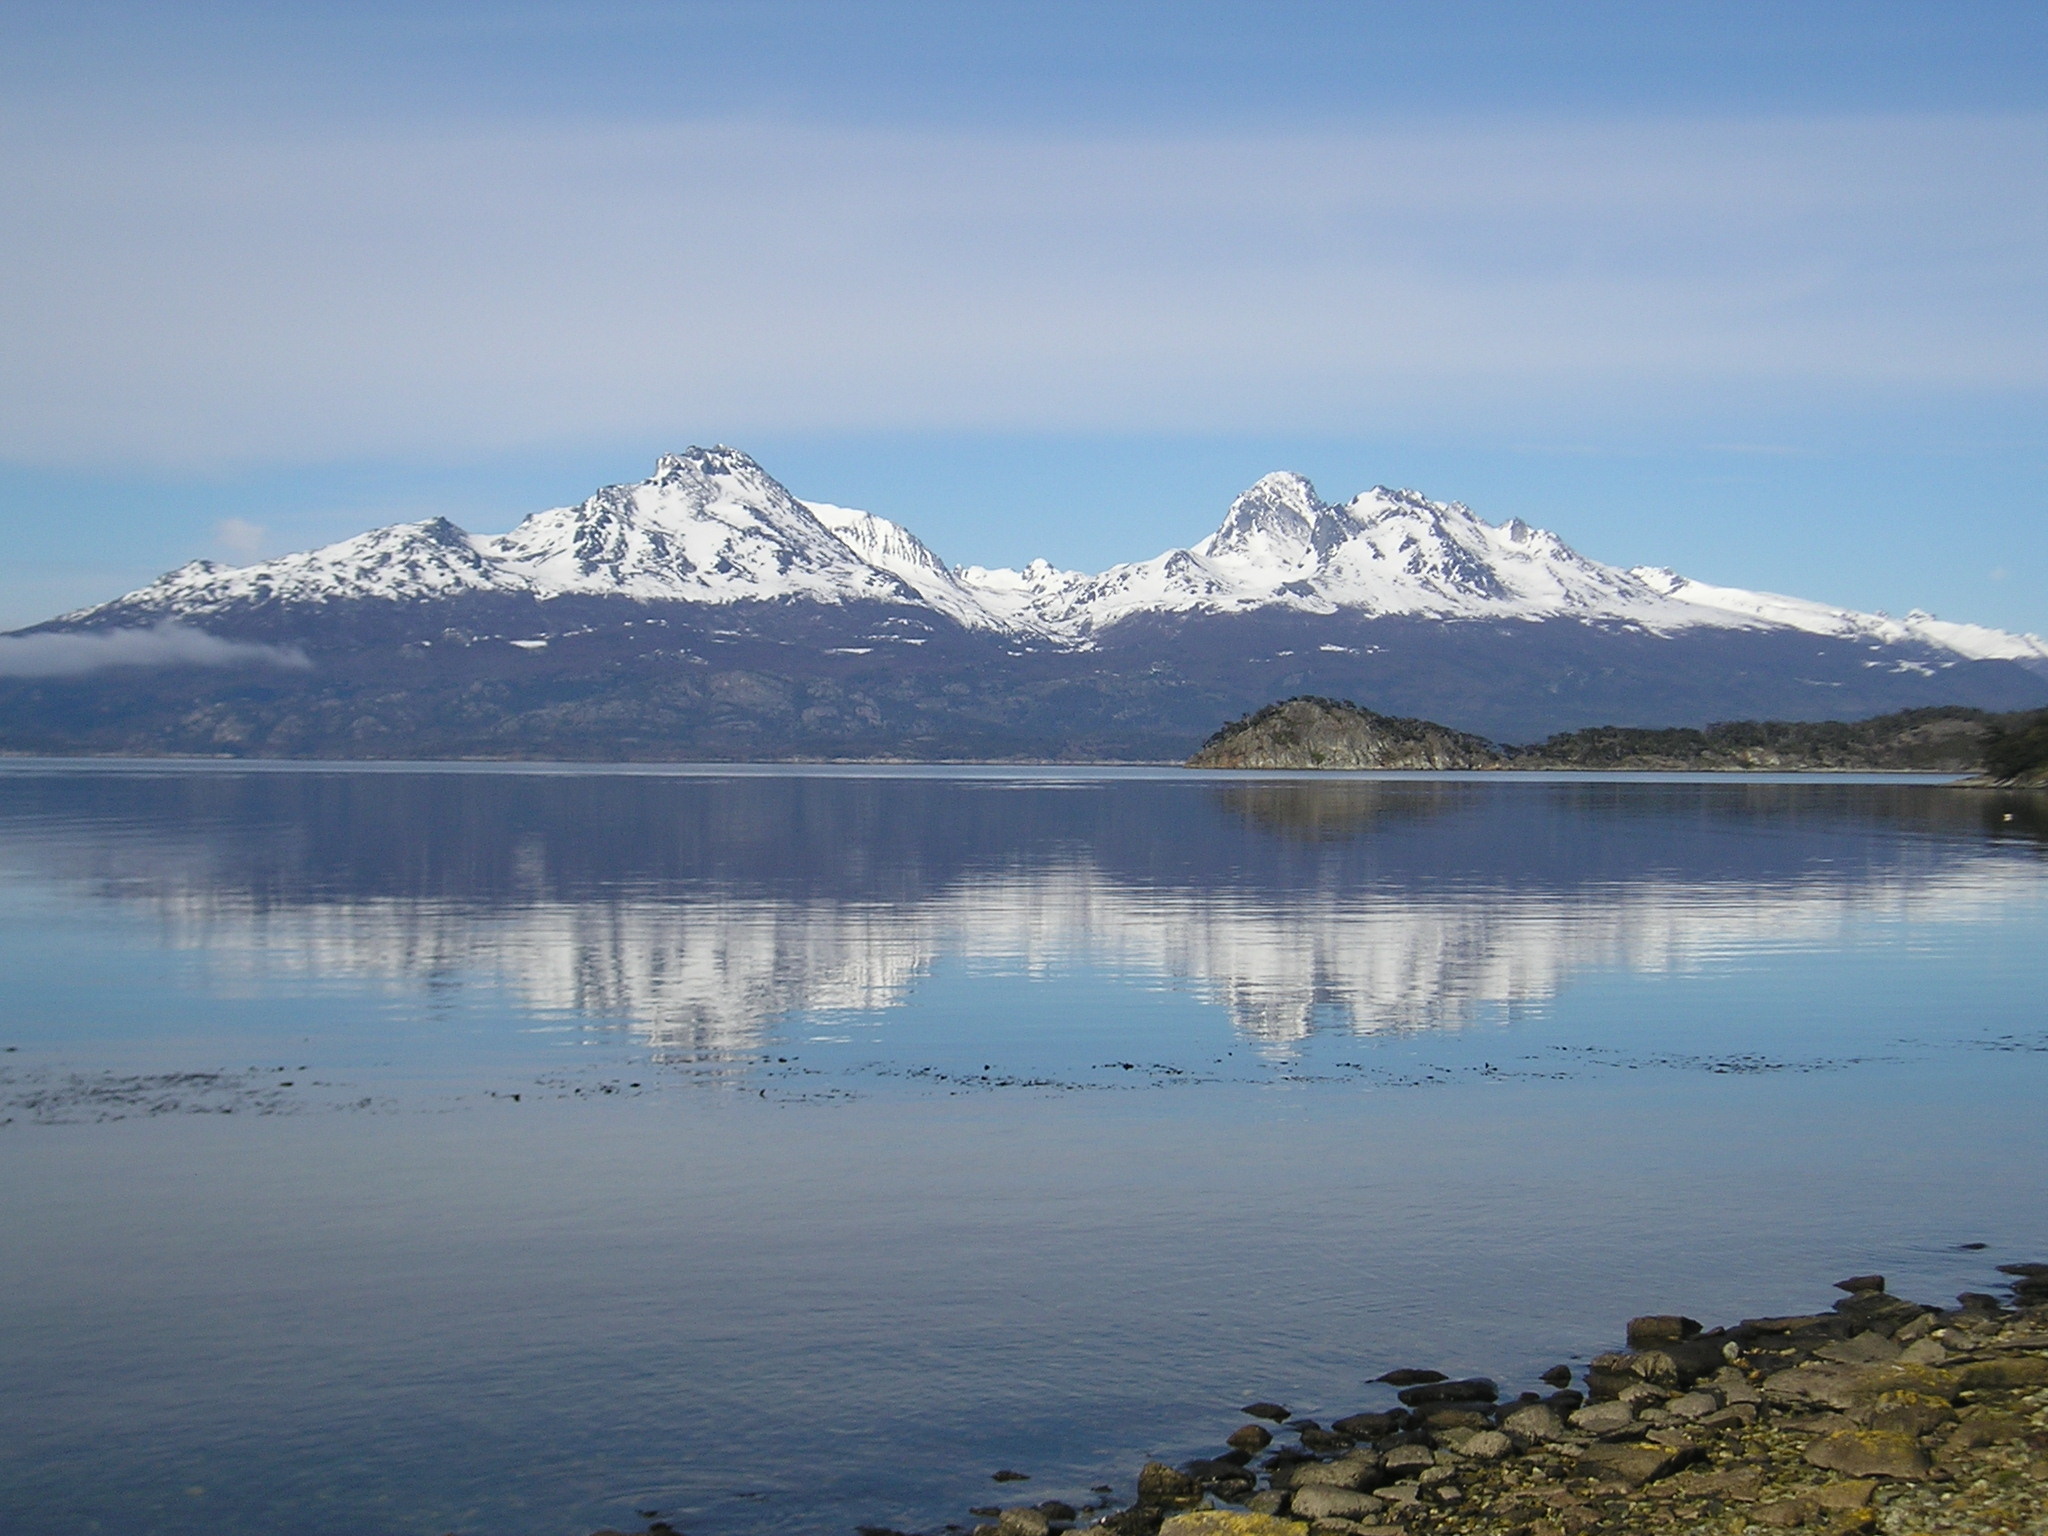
x=1876, y=1415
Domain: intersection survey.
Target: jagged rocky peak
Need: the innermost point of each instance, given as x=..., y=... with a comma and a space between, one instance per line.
x=1275, y=517
x=720, y=461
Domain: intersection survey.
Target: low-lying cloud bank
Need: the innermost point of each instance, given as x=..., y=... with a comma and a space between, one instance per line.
x=160, y=645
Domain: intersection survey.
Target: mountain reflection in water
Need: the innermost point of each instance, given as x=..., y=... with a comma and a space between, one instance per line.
x=697, y=911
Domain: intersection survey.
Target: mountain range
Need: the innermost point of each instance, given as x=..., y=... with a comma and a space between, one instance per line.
x=707, y=612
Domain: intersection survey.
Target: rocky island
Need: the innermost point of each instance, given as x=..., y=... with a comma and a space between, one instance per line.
x=1319, y=733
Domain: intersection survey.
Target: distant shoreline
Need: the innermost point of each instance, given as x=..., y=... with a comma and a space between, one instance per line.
x=706, y=766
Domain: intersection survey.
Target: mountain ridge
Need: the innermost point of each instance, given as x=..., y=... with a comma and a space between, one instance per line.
x=712, y=526
x=708, y=613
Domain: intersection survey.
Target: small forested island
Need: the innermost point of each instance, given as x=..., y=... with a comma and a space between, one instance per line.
x=1310, y=732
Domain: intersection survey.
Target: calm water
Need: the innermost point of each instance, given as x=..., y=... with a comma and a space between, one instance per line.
x=506, y=1151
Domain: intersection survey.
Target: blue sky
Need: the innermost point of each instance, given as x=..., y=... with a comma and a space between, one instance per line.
x=1756, y=291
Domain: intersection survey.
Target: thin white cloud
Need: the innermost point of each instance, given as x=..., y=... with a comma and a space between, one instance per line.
x=238, y=536
x=452, y=290
x=161, y=645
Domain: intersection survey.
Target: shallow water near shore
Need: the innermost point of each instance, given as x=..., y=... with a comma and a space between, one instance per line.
x=517, y=1150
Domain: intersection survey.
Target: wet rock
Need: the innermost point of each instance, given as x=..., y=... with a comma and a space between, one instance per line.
x=1007, y=1476
x=1057, y=1509
x=1370, y=1426
x=1660, y=1329
x=1473, y=1389
x=1231, y=1522
x=1408, y=1377
x=1160, y=1484
x=1874, y=1309
x=1325, y=1440
x=1633, y=1464
x=1250, y=1437
x=1869, y=1453
x=1856, y=1284
x=1218, y=1471
x=1025, y=1520
x=1334, y=1504
x=1271, y=1411
x=1271, y=1501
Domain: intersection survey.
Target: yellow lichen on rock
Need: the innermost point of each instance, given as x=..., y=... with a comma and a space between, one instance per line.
x=1230, y=1522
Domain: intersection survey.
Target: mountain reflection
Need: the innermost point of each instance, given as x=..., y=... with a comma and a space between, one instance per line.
x=700, y=911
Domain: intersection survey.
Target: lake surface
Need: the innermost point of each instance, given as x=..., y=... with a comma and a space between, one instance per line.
x=511, y=1150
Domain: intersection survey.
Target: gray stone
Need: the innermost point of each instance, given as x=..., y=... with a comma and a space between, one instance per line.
x=1604, y=1418
x=1408, y=1458
x=1633, y=1464
x=1334, y=1504
x=1353, y=1472
x=1487, y=1445
x=1694, y=1405
x=2021, y=1371
x=1733, y=1414
x=1923, y=1351
x=1734, y=1386
x=1023, y=1521
x=1269, y=1501
x=1910, y=1413
x=1866, y=1348
x=1536, y=1422
x=1869, y=1453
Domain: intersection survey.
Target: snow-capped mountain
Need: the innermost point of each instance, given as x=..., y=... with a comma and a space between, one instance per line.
x=712, y=527
x=708, y=613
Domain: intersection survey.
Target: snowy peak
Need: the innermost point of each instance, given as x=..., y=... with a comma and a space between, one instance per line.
x=1273, y=523
x=710, y=526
